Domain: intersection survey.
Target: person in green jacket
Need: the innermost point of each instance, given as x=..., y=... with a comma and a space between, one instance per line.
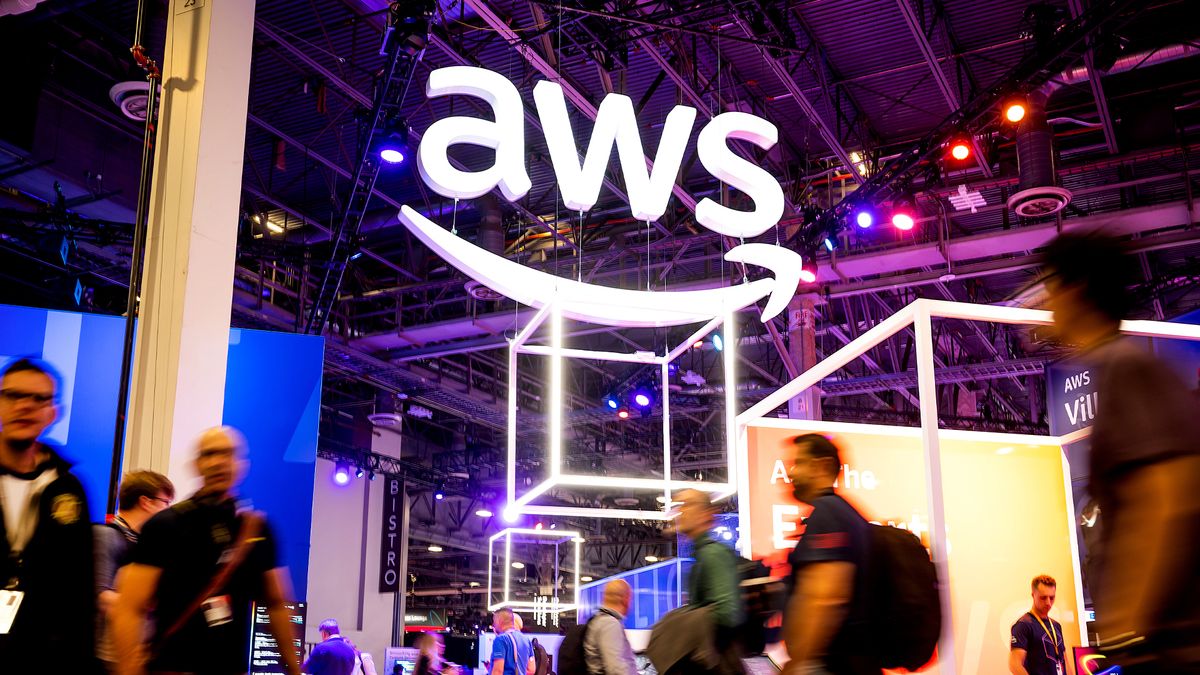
x=713, y=580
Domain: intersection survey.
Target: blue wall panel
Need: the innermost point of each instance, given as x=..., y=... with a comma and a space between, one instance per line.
x=272, y=393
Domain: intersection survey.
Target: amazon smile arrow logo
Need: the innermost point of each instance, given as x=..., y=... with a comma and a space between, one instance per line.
x=649, y=185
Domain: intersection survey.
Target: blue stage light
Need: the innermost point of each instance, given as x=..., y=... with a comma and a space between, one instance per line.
x=611, y=402
x=341, y=473
x=391, y=155
x=718, y=342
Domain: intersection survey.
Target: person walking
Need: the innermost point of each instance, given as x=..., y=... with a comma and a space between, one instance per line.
x=606, y=648
x=713, y=581
x=1144, y=468
x=142, y=495
x=512, y=653
x=201, y=564
x=334, y=655
x=47, y=584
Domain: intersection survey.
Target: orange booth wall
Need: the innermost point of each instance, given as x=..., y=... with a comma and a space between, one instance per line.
x=1006, y=507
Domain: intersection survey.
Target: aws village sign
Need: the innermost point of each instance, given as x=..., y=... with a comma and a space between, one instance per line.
x=649, y=185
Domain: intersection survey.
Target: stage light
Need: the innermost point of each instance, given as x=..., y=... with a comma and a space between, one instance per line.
x=434, y=548
x=371, y=476
x=473, y=584
x=960, y=149
x=864, y=218
x=642, y=398
x=808, y=270
x=391, y=155
x=651, y=558
x=697, y=344
x=511, y=514
x=341, y=473
x=358, y=473
x=1014, y=111
x=484, y=513
x=718, y=342
x=439, y=493
x=538, y=526
x=611, y=402
x=585, y=579
x=904, y=213
x=518, y=565
x=392, y=145
x=829, y=244
x=623, y=413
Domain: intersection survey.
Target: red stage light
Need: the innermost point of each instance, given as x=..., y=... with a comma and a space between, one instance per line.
x=960, y=150
x=623, y=413
x=1014, y=112
x=903, y=221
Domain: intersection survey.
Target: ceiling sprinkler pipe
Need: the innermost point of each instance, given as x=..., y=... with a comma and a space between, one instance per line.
x=1038, y=192
x=1079, y=75
x=17, y=6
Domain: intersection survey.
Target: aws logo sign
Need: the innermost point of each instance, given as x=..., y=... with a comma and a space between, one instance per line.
x=580, y=174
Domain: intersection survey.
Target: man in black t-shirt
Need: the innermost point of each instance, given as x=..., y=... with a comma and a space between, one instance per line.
x=826, y=614
x=1144, y=467
x=1038, y=646
x=179, y=554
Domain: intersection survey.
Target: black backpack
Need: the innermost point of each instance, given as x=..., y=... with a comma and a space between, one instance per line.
x=903, y=604
x=762, y=597
x=571, y=658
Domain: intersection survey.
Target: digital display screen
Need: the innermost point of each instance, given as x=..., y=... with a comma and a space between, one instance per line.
x=265, y=658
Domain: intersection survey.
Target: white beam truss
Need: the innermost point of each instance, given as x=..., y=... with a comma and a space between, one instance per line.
x=524, y=503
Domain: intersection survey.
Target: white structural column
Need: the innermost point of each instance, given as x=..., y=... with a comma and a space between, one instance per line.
x=927, y=391
x=182, y=344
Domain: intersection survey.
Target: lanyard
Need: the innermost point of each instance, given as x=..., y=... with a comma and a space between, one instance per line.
x=1049, y=631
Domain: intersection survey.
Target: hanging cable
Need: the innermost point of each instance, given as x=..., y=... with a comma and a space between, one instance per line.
x=140, y=225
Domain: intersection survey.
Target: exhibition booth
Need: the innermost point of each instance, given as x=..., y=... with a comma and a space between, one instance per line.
x=993, y=509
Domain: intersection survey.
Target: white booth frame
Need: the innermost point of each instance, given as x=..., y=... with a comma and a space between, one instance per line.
x=555, y=538
x=920, y=314
x=555, y=351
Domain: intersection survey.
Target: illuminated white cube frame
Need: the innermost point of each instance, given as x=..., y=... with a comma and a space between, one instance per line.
x=920, y=314
x=556, y=352
x=530, y=536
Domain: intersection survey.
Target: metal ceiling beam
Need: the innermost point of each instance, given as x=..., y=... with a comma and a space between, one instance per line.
x=1089, y=62
x=307, y=220
x=576, y=96
x=939, y=77
x=365, y=101
x=974, y=372
x=797, y=94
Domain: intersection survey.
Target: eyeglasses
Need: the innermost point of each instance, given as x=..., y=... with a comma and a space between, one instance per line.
x=164, y=500
x=15, y=396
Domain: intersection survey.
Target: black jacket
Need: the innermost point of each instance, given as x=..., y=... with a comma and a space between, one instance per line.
x=55, y=624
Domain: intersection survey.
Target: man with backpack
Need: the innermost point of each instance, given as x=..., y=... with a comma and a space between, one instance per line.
x=512, y=653
x=825, y=621
x=606, y=649
x=713, y=581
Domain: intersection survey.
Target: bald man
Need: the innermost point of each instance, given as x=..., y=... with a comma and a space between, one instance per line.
x=181, y=552
x=605, y=647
